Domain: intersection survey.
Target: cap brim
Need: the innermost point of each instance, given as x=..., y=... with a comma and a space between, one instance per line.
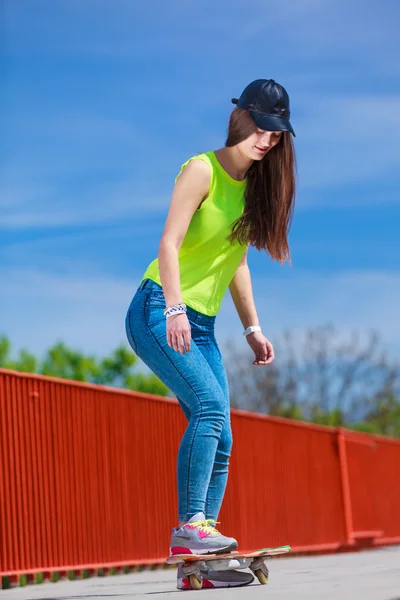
x=271, y=122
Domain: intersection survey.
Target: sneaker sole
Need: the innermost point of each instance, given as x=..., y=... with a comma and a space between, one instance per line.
x=222, y=550
x=208, y=583
x=204, y=552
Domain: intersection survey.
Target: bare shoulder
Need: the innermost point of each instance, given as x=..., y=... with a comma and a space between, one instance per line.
x=197, y=173
x=191, y=188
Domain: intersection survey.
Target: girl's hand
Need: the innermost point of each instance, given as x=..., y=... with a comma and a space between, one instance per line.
x=179, y=333
x=262, y=348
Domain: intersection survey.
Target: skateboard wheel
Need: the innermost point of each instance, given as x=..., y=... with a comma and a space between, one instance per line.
x=196, y=583
x=262, y=578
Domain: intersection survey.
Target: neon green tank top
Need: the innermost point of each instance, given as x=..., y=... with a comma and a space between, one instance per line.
x=207, y=260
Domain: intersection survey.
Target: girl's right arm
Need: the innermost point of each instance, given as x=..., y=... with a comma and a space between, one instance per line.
x=190, y=190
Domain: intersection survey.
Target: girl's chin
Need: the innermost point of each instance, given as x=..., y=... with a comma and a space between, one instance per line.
x=258, y=154
x=253, y=154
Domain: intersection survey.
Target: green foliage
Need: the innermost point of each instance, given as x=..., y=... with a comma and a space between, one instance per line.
x=384, y=419
x=25, y=362
x=119, y=369
x=289, y=412
x=334, y=418
x=149, y=384
x=321, y=377
x=5, y=583
x=285, y=390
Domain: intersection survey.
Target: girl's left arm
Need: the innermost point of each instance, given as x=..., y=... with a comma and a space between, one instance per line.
x=242, y=295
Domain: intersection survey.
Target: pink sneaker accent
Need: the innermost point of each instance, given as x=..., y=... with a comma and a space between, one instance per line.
x=201, y=533
x=180, y=550
x=187, y=586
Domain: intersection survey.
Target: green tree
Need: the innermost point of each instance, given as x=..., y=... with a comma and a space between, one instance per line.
x=321, y=377
x=61, y=361
x=25, y=361
x=119, y=369
x=384, y=419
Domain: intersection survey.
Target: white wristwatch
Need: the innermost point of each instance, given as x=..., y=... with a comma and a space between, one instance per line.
x=251, y=329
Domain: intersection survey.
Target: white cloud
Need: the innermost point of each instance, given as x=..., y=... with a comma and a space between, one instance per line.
x=76, y=169
x=355, y=31
x=351, y=300
x=46, y=144
x=88, y=311
x=305, y=28
x=62, y=122
x=344, y=139
x=27, y=206
x=55, y=153
x=74, y=253
x=338, y=143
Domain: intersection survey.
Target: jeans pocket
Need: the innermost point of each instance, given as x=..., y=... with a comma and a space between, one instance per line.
x=154, y=312
x=156, y=299
x=155, y=306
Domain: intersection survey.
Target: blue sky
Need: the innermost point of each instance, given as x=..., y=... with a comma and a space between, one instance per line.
x=101, y=103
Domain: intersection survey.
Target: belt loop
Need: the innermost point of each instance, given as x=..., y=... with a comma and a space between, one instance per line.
x=143, y=284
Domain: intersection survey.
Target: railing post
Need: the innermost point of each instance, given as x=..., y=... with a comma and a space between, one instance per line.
x=344, y=475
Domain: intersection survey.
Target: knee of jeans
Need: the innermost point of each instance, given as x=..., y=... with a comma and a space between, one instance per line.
x=226, y=440
x=214, y=416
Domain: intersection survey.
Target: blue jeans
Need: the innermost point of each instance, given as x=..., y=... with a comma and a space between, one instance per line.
x=198, y=380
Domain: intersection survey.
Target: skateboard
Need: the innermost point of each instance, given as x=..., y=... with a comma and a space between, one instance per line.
x=255, y=561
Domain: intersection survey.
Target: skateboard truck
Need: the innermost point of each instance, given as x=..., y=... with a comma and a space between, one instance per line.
x=259, y=567
x=255, y=561
x=192, y=572
x=191, y=568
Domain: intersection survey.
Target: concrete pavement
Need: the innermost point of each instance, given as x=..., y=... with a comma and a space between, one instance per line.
x=368, y=575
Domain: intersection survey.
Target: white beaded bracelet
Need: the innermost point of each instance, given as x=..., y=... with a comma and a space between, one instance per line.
x=251, y=329
x=177, y=305
x=175, y=309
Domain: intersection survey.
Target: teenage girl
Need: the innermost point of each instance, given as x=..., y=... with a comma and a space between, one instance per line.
x=223, y=202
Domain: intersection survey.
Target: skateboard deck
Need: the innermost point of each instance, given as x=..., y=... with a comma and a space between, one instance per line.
x=177, y=558
x=255, y=560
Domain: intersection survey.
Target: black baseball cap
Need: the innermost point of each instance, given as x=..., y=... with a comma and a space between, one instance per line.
x=268, y=105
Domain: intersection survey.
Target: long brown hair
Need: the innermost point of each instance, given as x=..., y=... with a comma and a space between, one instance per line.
x=270, y=192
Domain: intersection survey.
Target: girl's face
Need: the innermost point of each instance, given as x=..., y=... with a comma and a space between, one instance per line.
x=259, y=143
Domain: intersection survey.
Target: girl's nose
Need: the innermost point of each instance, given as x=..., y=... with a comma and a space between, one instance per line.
x=266, y=139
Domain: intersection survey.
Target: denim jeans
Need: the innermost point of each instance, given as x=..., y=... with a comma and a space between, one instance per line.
x=198, y=380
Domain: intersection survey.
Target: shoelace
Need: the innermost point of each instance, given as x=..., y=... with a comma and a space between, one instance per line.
x=207, y=526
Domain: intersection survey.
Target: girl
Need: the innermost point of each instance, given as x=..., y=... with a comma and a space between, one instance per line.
x=223, y=202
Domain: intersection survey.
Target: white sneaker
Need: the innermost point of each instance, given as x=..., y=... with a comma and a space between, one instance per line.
x=199, y=536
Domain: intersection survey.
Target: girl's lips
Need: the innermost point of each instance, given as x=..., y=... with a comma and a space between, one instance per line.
x=260, y=149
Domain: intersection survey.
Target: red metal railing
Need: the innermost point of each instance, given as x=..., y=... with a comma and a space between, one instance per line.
x=88, y=479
